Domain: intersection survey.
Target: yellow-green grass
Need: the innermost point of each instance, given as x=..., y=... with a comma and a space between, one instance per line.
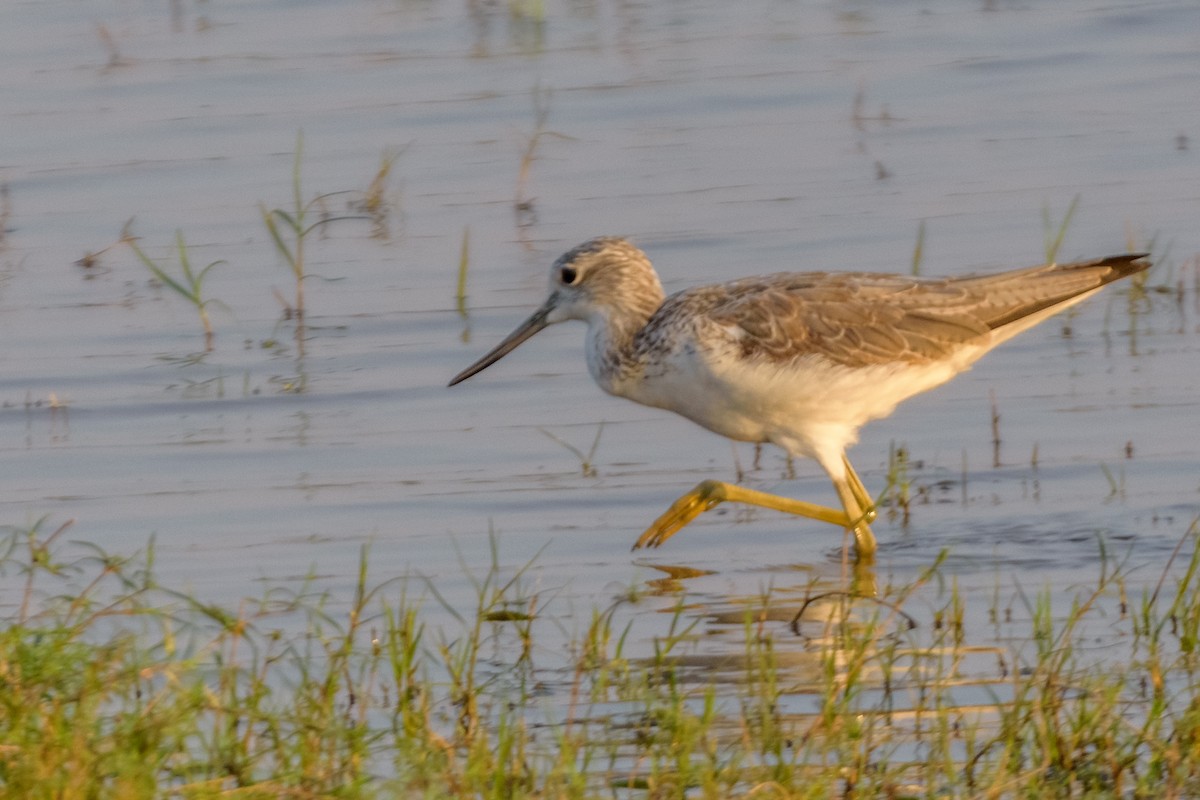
x=113, y=685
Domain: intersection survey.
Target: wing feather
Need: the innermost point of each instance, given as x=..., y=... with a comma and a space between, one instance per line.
x=861, y=319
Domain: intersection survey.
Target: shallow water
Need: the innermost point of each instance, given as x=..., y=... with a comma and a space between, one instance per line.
x=726, y=139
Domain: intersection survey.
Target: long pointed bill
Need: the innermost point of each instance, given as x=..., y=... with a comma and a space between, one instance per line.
x=528, y=328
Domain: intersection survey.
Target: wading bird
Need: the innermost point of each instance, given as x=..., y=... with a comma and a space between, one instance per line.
x=798, y=359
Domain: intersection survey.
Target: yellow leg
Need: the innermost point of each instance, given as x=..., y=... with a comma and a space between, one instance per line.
x=708, y=494
x=864, y=539
x=859, y=510
x=865, y=501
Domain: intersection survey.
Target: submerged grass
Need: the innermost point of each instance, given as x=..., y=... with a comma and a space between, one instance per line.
x=116, y=686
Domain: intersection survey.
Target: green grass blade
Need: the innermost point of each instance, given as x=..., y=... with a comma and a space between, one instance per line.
x=297, y=194
x=273, y=229
x=1054, y=239
x=464, y=261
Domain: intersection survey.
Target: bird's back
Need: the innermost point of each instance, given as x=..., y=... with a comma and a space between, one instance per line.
x=801, y=358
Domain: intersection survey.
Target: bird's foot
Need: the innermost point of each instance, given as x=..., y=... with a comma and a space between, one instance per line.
x=706, y=495
x=864, y=540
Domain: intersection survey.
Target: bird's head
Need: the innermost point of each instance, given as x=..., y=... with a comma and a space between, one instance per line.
x=600, y=281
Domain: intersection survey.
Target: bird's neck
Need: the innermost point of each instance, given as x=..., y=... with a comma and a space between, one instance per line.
x=612, y=352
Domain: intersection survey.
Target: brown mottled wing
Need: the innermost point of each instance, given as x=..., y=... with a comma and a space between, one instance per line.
x=860, y=319
x=850, y=319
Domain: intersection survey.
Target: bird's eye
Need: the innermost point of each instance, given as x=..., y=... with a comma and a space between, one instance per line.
x=568, y=275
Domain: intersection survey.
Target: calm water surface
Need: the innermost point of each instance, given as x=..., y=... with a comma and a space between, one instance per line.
x=726, y=139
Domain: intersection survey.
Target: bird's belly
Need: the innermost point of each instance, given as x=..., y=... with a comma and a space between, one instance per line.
x=790, y=404
x=720, y=407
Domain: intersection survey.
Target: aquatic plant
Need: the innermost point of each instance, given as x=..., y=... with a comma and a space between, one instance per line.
x=1053, y=235
x=464, y=262
x=586, y=460
x=5, y=213
x=116, y=686
x=897, y=493
x=189, y=285
x=919, y=249
x=290, y=229
x=523, y=204
x=374, y=201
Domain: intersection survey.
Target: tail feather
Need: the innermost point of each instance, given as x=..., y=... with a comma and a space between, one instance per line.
x=1053, y=287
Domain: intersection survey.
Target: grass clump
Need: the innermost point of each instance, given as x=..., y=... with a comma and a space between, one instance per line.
x=116, y=686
